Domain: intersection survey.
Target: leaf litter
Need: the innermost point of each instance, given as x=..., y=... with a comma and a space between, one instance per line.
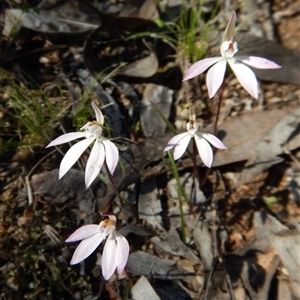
x=242, y=225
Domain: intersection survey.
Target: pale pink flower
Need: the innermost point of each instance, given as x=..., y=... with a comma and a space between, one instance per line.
x=116, y=249
x=244, y=74
x=181, y=141
x=103, y=149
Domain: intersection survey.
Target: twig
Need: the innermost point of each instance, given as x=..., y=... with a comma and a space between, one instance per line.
x=210, y=276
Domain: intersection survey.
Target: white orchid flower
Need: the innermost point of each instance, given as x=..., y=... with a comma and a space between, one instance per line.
x=116, y=249
x=181, y=141
x=244, y=74
x=103, y=149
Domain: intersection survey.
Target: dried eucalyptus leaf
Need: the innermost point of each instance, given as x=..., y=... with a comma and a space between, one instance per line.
x=141, y=263
x=143, y=68
x=171, y=242
x=66, y=19
x=143, y=290
x=157, y=100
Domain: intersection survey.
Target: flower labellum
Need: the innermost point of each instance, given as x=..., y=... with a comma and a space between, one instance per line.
x=181, y=141
x=103, y=149
x=116, y=249
x=238, y=64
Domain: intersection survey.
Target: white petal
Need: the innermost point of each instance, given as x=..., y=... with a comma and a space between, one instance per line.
x=229, y=31
x=215, y=77
x=181, y=146
x=245, y=76
x=258, y=62
x=82, y=233
x=94, y=163
x=175, y=140
x=214, y=141
x=72, y=155
x=200, y=66
x=122, y=252
x=205, y=151
x=111, y=155
x=66, y=138
x=109, y=262
x=98, y=113
x=86, y=248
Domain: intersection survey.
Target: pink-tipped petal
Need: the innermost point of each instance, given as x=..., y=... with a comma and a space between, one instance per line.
x=175, y=140
x=229, y=31
x=205, y=151
x=65, y=138
x=199, y=67
x=82, y=233
x=257, y=62
x=98, y=113
x=86, y=248
x=122, y=252
x=111, y=155
x=245, y=76
x=109, y=262
x=215, y=77
x=214, y=141
x=181, y=146
x=94, y=163
x=72, y=155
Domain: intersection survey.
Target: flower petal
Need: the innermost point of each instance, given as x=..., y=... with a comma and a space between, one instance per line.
x=200, y=66
x=94, y=163
x=257, y=62
x=205, y=151
x=175, y=140
x=82, y=233
x=72, y=155
x=215, y=77
x=181, y=146
x=109, y=262
x=98, y=113
x=86, y=248
x=229, y=31
x=122, y=252
x=245, y=76
x=111, y=155
x=214, y=141
x=66, y=138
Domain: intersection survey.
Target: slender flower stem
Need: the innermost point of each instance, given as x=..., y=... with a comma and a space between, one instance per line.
x=221, y=91
x=176, y=175
x=131, y=208
x=113, y=183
